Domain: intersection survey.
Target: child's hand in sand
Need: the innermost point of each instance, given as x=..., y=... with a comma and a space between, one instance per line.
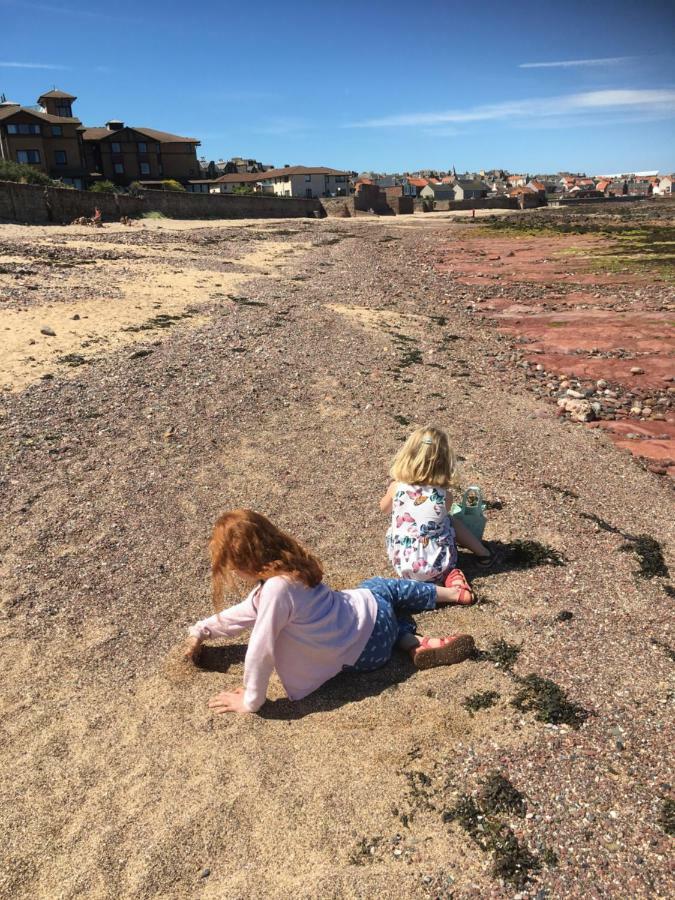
x=192, y=647
x=229, y=701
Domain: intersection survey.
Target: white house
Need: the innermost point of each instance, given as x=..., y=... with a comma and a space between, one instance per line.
x=665, y=185
x=307, y=181
x=227, y=184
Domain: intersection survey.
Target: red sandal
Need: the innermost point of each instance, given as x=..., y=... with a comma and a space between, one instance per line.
x=456, y=579
x=454, y=649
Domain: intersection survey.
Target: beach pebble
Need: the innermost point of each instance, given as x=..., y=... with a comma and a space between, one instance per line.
x=636, y=370
x=205, y=873
x=601, y=384
x=46, y=329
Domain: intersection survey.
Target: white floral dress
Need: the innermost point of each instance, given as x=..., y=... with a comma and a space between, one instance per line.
x=421, y=542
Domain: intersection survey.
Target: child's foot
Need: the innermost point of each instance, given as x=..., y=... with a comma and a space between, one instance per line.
x=493, y=558
x=442, y=651
x=461, y=592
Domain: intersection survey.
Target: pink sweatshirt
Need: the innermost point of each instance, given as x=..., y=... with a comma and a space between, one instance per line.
x=306, y=634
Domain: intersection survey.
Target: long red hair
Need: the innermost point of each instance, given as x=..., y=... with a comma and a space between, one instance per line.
x=245, y=540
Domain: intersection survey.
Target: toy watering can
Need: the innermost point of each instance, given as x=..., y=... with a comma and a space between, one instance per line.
x=471, y=511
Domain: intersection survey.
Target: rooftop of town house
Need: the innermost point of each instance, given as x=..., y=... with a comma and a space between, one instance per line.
x=162, y=137
x=56, y=95
x=303, y=170
x=241, y=178
x=11, y=109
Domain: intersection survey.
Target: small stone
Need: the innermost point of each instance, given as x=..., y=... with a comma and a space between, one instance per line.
x=539, y=367
x=46, y=329
x=205, y=873
x=76, y=317
x=601, y=384
x=564, y=616
x=576, y=395
x=635, y=410
x=646, y=411
x=636, y=370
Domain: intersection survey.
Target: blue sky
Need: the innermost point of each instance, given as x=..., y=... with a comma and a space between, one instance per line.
x=390, y=86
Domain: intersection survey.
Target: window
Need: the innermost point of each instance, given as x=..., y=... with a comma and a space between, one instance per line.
x=57, y=131
x=119, y=168
x=142, y=147
x=340, y=179
x=145, y=168
x=63, y=110
x=28, y=156
x=23, y=129
x=308, y=177
x=116, y=147
x=60, y=158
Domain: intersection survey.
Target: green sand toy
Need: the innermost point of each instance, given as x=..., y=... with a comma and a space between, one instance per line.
x=471, y=511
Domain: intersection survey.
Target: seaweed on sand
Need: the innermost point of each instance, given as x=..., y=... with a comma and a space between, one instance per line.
x=480, y=700
x=549, y=702
x=650, y=556
x=501, y=653
x=513, y=862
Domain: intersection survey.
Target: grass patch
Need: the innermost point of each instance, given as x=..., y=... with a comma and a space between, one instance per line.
x=549, y=702
x=649, y=554
x=153, y=214
x=480, y=700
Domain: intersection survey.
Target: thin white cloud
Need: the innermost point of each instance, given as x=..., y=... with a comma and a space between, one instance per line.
x=652, y=101
x=571, y=63
x=22, y=65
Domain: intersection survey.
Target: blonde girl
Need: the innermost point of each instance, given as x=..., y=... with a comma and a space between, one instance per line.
x=422, y=538
x=299, y=626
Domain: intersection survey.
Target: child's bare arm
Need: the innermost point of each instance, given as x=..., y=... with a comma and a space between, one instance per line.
x=193, y=646
x=388, y=499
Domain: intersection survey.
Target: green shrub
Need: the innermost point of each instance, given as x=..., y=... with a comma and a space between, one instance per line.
x=104, y=187
x=135, y=188
x=171, y=184
x=24, y=174
x=153, y=214
x=243, y=189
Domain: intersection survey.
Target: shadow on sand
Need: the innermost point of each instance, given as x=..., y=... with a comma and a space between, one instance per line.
x=347, y=687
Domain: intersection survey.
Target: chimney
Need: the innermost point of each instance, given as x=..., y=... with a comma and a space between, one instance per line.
x=114, y=125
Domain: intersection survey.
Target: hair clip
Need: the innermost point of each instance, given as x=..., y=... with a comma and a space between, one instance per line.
x=427, y=441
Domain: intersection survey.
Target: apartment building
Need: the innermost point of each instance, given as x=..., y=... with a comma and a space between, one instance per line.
x=306, y=181
x=46, y=136
x=125, y=153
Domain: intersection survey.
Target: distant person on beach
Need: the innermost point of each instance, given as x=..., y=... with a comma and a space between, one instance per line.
x=422, y=538
x=299, y=626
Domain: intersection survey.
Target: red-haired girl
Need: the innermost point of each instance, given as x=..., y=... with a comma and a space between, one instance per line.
x=302, y=628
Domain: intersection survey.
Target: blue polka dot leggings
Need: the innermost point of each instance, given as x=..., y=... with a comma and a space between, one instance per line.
x=396, y=598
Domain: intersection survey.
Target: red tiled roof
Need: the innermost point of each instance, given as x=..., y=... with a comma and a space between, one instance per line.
x=538, y=186
x=418, y=182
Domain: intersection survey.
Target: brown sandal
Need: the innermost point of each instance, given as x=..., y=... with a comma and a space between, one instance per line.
x=454, y=649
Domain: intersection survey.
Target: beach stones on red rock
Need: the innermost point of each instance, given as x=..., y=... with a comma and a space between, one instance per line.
x=579, y=410
x=637, y=370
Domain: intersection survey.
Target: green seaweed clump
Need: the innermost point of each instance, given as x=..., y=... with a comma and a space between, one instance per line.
x=649, y=554
x=667, y=815
x=529, y=554
x=402, y=420
x=501, y=653
x=549, y=702
x=512, y=861
x=498, y=795
x=480, y=700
